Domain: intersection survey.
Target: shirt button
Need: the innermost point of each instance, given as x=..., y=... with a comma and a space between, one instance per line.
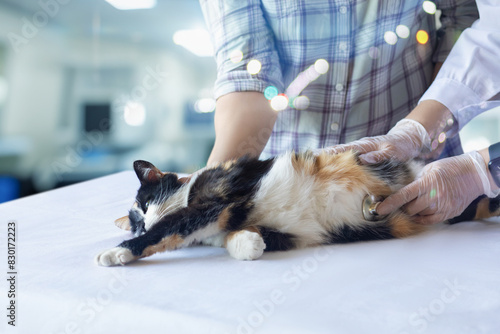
x=343, y=46
x=343, y=9
x=334, y=126
x=339, y=87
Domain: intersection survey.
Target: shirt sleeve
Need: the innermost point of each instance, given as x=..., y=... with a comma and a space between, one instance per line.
x=470, y=76
x=240, y=34
x=456, y=16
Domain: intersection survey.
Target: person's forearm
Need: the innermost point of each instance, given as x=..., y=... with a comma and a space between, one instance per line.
x=243, y=125
x=432, y=115
x=435, y=118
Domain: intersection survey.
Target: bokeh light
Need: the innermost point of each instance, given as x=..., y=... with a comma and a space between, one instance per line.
x=422, y=36
x=442, y=137
x=254, y=66
x=434, y=144
x=321, y=66
x=134, y=113
x=270, y=92
x=429, y=7
x=402, y=31
x=279, y=102
x=373, y=52
x=390, y=37
x=301, y=102
x=307, y=76
x=204, y=105
x=236, y=56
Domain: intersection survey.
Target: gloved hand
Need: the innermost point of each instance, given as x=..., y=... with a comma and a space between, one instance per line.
x=444, y=189
x=404, y=141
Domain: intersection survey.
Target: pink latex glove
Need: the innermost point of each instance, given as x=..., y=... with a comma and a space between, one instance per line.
x=444, y=189
x=404, y=141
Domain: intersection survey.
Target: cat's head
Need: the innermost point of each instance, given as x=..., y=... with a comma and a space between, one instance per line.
x=155, y=197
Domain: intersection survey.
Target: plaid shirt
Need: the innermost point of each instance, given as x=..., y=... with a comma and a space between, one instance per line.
x=370, y=84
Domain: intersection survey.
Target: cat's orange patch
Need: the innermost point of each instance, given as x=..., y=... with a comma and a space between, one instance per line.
x=402, y=226
x=483, y=209
x=341, y=168
x=169, y=243
x=303, y=163
x=227, y=164
x=223, y=218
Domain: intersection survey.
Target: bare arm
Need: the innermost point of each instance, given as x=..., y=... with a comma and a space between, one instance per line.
x=434, y=116
x=243, y=125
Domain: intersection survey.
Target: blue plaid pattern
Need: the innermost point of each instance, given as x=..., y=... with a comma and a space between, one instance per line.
x=370, y=84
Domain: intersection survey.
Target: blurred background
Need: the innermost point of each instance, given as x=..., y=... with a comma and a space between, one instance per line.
x=87, y=87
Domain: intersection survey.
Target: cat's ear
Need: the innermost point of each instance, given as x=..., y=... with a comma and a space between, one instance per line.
x=147, y=172
x=185, y=179
x=123, y=223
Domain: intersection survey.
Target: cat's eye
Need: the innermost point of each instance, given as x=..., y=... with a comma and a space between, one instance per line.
x=144, y=206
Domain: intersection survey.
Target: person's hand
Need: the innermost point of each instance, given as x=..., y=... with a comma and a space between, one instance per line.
x=404, y=141
x=443, y=191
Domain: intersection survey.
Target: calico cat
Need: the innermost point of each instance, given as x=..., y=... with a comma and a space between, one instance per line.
x=250, y=205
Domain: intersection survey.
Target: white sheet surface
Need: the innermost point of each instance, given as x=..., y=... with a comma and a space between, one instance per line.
x=445, y=281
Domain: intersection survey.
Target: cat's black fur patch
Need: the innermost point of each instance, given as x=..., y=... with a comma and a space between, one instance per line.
x=237, y=183
x=469, y=213
x=233, y=187
x=494, y=204
x=276, y=240
x=349, y=234
x=136, y=221
x=183, y=222
x=391, y=171
x=238, y=216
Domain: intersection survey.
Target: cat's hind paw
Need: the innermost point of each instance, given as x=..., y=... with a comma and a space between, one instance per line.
x=115, y=256
x=245, y=245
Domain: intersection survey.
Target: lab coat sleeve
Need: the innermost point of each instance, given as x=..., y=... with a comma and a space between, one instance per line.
x=470, y=76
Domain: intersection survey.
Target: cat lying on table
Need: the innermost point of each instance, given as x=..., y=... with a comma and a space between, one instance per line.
x=250, y=205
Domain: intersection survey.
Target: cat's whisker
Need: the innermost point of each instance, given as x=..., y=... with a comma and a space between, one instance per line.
x=169, y=208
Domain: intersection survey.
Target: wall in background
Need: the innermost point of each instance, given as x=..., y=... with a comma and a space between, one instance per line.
x=482, y=131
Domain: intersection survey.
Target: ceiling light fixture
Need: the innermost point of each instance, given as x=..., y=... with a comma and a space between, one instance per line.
x=196, y=40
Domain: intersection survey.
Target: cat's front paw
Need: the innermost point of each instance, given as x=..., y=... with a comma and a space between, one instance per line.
x=115, y=256
x=245, y=245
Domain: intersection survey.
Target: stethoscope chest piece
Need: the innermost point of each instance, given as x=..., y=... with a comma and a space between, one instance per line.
x=369, y=208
